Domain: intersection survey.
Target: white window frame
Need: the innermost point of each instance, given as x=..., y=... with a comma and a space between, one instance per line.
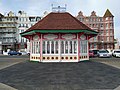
x=50, y=47
x=74, y=52
x=84, y=47
x=35, y=47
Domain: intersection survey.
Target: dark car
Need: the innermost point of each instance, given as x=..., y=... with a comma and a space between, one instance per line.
x=95, y=52
x=91, y=53
x=14, y=53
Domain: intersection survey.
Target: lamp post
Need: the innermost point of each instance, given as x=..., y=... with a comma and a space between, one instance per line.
x=15, y=42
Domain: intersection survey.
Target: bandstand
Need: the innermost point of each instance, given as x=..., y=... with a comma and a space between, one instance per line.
x=59, y=37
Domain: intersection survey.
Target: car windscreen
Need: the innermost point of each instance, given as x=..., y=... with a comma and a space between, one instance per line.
x=90, y=51
x=103, y=52
x=95, y=51
x=116, y=51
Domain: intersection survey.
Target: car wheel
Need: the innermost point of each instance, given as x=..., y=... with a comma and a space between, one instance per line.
x=28, y=54
x=20, y=54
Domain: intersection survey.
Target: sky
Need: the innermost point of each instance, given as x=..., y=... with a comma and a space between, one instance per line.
x=38, y=7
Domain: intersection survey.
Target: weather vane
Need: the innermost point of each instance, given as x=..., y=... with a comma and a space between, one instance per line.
x=59, y=8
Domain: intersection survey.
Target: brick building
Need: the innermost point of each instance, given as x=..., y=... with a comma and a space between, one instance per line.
x=104, y=25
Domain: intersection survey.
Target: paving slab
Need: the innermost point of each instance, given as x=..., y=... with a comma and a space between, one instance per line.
x=118, y=88
x=7, y=61
x=6, y=87
x=61, y=76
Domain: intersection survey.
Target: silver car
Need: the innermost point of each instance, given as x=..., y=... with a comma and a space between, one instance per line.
x=116, y=53
x=103, y=53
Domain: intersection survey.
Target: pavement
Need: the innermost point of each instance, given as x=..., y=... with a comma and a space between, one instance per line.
x=6, y=87
x=7, y=61
x=90, y=75
x=114, y=62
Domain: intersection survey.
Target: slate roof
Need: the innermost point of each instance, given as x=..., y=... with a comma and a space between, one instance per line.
x=58, y=22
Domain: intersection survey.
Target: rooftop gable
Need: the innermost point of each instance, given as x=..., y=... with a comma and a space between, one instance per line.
x=108, y=14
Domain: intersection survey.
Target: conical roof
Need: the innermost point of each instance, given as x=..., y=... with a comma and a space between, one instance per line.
x=58, y=22
x=108, y=14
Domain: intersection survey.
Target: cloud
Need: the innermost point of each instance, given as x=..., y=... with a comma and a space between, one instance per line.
x=38, y=7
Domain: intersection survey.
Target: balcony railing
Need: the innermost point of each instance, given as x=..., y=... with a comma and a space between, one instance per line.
x=7, y=31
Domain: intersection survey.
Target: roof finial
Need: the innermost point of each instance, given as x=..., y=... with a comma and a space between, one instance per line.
x=58, y=8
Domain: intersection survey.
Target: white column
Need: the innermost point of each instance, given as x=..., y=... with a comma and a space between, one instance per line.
x=77, y=46
x=64, y=46
x=50, y=46
x=72, y=47
x=54, y=47
x=45, y=47
x=59, y=47
x=33, y=47
x=68, y=47
x=38, y=47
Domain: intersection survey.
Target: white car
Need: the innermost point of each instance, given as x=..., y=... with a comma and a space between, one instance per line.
x=23, y=53
x=103, y=53
x=110, y=51
x=116, y=53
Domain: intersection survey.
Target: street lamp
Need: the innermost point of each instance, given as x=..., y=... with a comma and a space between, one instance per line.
x=15, y=42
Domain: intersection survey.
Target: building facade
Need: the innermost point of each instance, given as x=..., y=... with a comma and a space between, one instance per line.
x=23, y=23
x=11, y=26
x=8, y=31
x=102, y=24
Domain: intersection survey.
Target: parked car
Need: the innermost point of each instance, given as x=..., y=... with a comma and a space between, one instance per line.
x=14, y=53
x=103, y=53
x=28, y=53
x=95, y=53
x=110, y=51
x=116, y=53
x=91, y=53
x=23, y=53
